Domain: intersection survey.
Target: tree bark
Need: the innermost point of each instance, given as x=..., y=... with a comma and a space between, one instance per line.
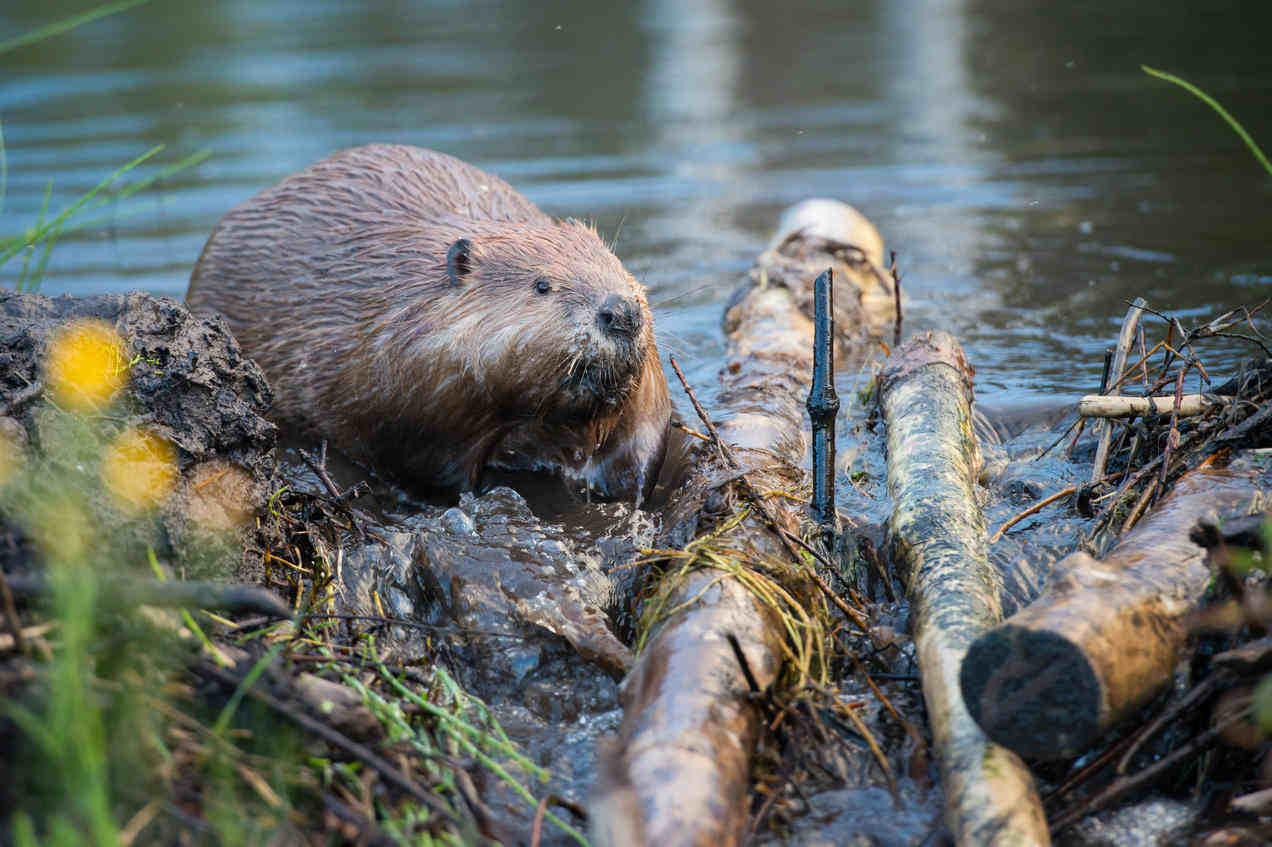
x=1105, y=635
x=677, y=773
x=1105, y=406
x=938, y=538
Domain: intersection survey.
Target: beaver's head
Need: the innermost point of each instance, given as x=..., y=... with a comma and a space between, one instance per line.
x=551, y=325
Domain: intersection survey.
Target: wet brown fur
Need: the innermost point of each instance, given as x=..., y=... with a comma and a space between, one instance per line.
x=335, y=281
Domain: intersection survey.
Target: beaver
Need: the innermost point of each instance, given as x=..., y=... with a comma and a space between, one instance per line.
x=425, y=316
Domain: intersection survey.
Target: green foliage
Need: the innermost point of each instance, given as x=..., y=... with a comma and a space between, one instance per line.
x=67, y=24
x=41, y=236
x=1214, y=104
x=464, y=727
x=45, y=232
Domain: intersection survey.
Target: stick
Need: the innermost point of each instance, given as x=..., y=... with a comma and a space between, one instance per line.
x=896, y=296
x=1104, y=406
x=11, y=613
x=123, y=591
x=762, y=507
x=823, y=403
x=1035, y=508
x=1124, y=340
x=391, y=774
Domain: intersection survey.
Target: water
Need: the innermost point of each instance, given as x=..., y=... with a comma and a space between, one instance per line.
x=1029, y=176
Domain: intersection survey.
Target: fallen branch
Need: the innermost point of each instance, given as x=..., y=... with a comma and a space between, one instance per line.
x=1102, y=406
x=1105, y=635
x=1124, y=341
x=938, y=538
x=1032, y=510
x=125, y=592
x=677, y=773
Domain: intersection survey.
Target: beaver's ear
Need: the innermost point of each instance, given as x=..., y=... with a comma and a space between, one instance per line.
x=459, y=261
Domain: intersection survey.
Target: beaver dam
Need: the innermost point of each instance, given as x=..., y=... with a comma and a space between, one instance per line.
x=1016, y=628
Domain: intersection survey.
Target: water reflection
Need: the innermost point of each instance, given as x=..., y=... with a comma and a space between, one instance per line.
x=1030, y=178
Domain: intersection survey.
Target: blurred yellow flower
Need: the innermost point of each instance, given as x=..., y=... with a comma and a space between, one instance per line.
x=139, y=469
x=86, y=364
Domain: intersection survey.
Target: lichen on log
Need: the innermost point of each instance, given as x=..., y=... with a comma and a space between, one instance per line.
x=937, y=535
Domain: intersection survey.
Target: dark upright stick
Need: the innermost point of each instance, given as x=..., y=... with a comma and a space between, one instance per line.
x=896, y=298
x=823, y=403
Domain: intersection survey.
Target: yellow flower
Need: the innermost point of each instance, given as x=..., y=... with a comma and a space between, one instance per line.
x=139, y=469
x=86, y=364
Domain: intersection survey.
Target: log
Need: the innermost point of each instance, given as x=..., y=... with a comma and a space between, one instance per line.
x=1105, y=635
x=937, y=533
x=677, y=772
x=1105, y=406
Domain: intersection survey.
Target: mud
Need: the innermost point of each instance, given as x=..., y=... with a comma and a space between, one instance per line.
x=188, y=383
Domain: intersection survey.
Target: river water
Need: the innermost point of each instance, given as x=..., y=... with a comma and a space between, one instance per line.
x=1029, y=177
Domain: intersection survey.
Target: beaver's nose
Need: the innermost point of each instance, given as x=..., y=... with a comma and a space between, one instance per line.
x=619, y=316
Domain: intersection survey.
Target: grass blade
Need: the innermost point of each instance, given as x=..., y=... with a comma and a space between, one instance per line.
x=67, y=24
x=1214, y=104
x=43, y=229
x=4, y=168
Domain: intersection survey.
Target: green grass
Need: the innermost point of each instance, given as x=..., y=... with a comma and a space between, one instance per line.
x=67, y=24
x=1214, y=104
x=38, y=240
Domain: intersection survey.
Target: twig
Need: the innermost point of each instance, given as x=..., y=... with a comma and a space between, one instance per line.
x=1141, y=504
x=1126, y=784
x=536, y=831
x=896, y=297
x=743, y=663
x=1197, y=695
x=758, y=501
x=689, y=431
x=1172, y=438
x=337, y=739
x=887, y=704
x=11, y=614
x=22, y=397
x=878, y=754
x=823, y=403
x=866, y=549
x=1074, y=443
x=1035, y=508
x=319, y=467
x=125, y=592
x=1060, y=438
x=542, y=810
x=1124, y=340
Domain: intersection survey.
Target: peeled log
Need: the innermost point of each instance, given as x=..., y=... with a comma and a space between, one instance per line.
x=1104, y=636
x=677, y=773
x=1105, y=406
x=938, y=538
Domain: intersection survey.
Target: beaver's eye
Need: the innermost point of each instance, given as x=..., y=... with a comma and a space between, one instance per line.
x=542, y=286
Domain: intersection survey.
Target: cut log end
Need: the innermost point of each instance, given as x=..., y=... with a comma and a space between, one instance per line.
x=1033, y=691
